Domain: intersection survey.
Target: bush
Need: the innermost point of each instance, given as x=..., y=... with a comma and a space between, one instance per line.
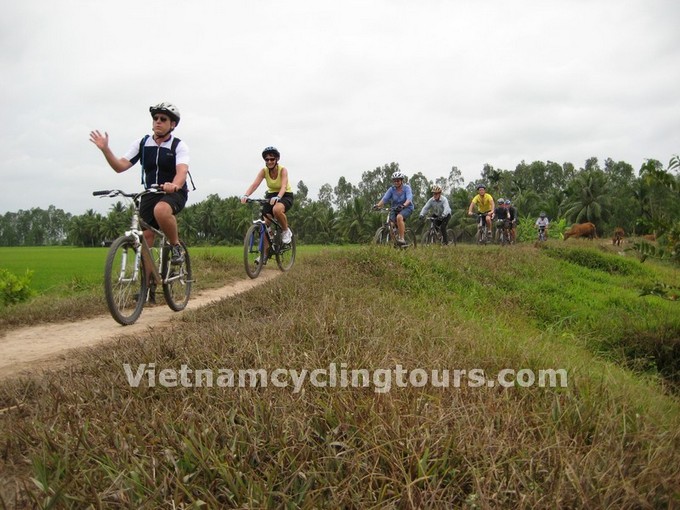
x=526, y=229
x=14, y=289
x=592, y=259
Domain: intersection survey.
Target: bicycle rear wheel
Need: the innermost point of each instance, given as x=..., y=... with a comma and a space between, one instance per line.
x=125, y=285
x=177, y=279
x=382, y=235
x=285, y=255
x=253, y=258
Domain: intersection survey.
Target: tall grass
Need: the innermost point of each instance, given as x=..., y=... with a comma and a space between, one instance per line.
x=85, y=437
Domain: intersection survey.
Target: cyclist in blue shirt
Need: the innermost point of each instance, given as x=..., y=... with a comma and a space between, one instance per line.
x=400, y=196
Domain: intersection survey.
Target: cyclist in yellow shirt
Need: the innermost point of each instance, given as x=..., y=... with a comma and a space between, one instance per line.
x=485, y=205
x=279, y=191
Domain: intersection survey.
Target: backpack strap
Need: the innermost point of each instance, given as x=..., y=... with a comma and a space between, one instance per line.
x=142, y=144
x=173, y=147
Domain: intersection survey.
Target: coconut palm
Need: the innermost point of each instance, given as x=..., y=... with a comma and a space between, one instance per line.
x=589, y=198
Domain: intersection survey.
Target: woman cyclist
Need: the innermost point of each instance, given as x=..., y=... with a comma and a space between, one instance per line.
x=279, y=192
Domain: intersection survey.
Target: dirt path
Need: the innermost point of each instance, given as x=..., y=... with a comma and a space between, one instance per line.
x=35, y=347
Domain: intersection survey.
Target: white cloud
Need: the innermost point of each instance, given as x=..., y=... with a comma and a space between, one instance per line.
x=340, y=88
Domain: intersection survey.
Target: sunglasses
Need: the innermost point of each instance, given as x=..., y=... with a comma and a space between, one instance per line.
x=270, y=159
x=160, y=118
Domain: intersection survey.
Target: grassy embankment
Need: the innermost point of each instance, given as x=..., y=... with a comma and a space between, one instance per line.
x=609, y=439
x=67, y=281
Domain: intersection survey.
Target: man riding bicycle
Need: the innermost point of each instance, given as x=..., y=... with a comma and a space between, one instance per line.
x=165, y=163
x=501, y=215
x=542, y=224
x=438, y=206
x=401, y=198
x=485, y=206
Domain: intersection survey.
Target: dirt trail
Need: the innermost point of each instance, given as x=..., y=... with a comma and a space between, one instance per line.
x=35, y=347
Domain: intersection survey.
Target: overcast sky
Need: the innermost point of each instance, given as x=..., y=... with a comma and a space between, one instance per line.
x=339, y=87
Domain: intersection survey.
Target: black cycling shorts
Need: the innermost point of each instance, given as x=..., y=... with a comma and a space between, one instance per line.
x=286, y=200
x=177, y=201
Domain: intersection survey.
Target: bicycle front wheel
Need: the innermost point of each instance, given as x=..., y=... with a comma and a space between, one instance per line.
x=177, y=279
x=253, y=251
x=381, y=236
x=285, y=256
x=429, y=237
x=410, y=238
x=125, y=285
x=451, y=235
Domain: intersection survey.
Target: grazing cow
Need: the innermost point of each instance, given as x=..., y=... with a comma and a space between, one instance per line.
x=618, y=236
x=581, y=230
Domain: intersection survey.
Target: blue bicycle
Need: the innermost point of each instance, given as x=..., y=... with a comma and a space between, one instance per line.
x=262, y=242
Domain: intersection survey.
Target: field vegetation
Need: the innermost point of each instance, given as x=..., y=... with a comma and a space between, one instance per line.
x=610, y=438
x=67, y=283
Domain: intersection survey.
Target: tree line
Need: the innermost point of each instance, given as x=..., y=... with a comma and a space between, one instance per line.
x=609, y=195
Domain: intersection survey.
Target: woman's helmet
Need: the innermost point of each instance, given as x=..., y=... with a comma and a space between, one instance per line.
x=436, y=189
x=542, y=215
x=167, y=108
x=507, y=202
x=501, y=201
x=481, y=186
x=398, y=175
x=271, y=150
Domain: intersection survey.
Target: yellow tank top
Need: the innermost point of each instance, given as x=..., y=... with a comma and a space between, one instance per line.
x=274, y=185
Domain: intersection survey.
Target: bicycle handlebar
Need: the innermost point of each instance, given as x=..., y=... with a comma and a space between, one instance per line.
x=261, y=201
x=154, y=188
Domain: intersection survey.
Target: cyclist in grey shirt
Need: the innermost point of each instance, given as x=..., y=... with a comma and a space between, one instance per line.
x=438, y=206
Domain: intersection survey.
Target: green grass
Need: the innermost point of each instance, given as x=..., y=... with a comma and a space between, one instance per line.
x=68, y=281
x=610, y=439
x=55, y=268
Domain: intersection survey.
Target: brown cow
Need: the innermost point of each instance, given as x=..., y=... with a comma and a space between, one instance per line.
x=649, y=237
x=581, y=230
x=618, y=236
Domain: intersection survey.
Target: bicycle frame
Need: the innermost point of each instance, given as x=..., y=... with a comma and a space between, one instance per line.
x=130, y=254
x=482, y=228
x=265, y=231
x=142, y=249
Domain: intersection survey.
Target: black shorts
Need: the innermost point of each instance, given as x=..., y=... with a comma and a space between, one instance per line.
x=177, y=201
x=286, y=200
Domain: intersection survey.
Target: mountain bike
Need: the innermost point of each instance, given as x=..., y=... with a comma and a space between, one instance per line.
x=483, y=232
x=541, y=235
x=133, y=269
x=505, y=232
x=263, y=242
x=433, y=235
x=388, y=233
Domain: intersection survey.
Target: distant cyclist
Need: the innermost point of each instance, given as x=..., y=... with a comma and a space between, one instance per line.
x=501, y=215
x=485, y=205
x=542, y=224
x=165, y=162
x=279, y=191
x=400, y=196
x=438, y=206
x=513, y=218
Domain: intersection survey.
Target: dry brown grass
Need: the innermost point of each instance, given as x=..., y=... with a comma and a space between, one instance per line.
x=84, y=437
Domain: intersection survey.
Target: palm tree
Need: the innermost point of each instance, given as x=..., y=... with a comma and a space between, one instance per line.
x=355, y=222
x=589, y=200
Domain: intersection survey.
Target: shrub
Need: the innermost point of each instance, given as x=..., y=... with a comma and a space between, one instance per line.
x=14, y=289
x=526, y=229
